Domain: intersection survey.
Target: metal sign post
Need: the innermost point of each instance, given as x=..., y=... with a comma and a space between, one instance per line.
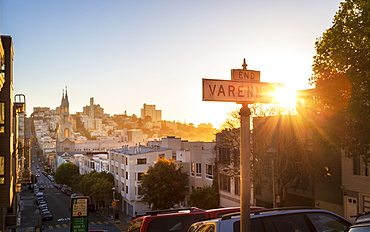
x=245, y=168
x=244, y=88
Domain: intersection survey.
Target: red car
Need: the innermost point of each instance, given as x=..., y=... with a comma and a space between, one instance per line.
x=176, y=220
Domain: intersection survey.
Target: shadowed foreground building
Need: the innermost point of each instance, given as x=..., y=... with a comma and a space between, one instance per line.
x=9, y=168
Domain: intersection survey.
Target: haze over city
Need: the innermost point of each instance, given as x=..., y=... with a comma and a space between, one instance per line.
x=127, y=53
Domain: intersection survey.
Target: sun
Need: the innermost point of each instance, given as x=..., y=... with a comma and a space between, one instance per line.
x=286, y=96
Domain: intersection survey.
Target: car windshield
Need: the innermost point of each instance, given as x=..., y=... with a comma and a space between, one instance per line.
x=174, y=224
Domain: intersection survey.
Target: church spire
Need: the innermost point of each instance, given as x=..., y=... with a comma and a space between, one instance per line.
x=61, y=102
x=66, y=98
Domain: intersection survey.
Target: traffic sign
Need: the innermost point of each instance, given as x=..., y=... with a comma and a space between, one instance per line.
x=245, y=75
x=239, y=91
x=79, y=214
x=79, y=207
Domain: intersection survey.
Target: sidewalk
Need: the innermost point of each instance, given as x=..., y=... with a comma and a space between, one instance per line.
x=122, y=217
x=29, y=219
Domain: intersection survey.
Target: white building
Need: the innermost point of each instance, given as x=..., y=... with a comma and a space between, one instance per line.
x=101, y=145
x=90, y=162
x=355, y=185
x=127, y=164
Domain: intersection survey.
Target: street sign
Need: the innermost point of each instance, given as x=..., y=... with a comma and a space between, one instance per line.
x=79, y=207
x=245, y=75
x=79, y=214
x=239, y=91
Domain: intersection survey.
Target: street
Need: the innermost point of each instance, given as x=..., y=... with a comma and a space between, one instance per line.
x=58, y=204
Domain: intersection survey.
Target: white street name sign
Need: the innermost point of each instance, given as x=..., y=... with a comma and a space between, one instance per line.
x=239, y=91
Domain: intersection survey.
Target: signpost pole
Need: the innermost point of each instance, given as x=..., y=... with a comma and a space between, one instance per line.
x=245, y=164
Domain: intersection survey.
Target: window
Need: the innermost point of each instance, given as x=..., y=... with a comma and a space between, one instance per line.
x=141, y=161
x=327, y=222
x=2, y=170
x=126, y=161
x=2, y=117
x=198, y=169
x=356, y=165
x=139, y=176
x=292, y=222
x=161, y=156
x=139, y=190
x=209, y=171
x=192, y=169
x=237, y=186
x=126, y=175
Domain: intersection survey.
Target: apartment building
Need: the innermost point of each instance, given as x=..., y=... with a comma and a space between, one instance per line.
x=93, y=162
x=9, y=157
x=151, y=111
x=127, y=164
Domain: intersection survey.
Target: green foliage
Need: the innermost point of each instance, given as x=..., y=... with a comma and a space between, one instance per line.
x=101, y=191
x=197, y=198
x=341, y=74
x=65, y=173
x=97, y=185
x=164, y=185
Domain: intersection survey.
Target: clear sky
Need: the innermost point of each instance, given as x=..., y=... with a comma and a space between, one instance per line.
x=125, y=53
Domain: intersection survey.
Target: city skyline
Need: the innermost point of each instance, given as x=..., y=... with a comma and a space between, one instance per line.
x=126, y=53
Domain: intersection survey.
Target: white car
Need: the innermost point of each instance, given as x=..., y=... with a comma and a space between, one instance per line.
x=276, y=220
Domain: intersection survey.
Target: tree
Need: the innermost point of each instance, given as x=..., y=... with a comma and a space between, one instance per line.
x=341, y=73
x=91, y=178
x=65, y=173
x=97, y=185
x=273, y=126
x=163, y=185
x=101, y=191
x=197, y=196
x=279, y=141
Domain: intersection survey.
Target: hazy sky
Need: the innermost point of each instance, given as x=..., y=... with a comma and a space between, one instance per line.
x=125, y=53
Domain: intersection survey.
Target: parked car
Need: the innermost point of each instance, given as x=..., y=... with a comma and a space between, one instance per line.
x=176, y=220
x=275, y=220
x=362, y=223
x=47, y=216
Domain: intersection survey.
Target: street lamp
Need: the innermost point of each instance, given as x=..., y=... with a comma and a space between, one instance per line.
x=271, y=152
x=114, y=202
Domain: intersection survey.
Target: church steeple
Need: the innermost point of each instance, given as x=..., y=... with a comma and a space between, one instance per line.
x=64, y=106
x=66, y=98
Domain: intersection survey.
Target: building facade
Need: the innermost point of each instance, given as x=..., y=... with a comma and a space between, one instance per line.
x=9, y=146
x=127, y=164
x=151, y=111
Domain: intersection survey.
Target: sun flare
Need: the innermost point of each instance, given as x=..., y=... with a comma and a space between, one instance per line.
x=286, y=96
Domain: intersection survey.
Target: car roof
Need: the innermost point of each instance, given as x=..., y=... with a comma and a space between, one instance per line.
x=365, y=218
x=169, y=213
